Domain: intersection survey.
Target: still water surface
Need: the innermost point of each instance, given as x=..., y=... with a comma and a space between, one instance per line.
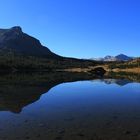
x=101, y=109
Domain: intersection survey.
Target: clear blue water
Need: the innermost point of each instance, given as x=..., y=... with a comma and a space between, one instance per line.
x=94, y=109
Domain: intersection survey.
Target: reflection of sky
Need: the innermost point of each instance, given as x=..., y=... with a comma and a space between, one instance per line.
x=75, y=99
x=82, y=92
x=136, y=88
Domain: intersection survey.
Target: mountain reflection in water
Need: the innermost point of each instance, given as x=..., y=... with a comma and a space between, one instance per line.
x=20, y=90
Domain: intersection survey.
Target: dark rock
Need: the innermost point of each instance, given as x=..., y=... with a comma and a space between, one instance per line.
x=98, y=71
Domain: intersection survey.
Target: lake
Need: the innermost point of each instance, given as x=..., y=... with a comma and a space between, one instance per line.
x=69, y=107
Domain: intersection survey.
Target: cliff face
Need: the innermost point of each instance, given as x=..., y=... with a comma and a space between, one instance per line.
x=15, y=41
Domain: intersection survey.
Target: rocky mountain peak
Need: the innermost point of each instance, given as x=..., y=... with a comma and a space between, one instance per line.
x=120, y=57
x=20, y=43
x=16, y=28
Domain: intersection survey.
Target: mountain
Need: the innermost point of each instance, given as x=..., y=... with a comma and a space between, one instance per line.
x=22, y=52
x=109, y=58
x=14, y=40
x=120, y=57
x=123, y=57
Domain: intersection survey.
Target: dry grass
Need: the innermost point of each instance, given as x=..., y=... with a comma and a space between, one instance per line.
x=77, y=70
x=132, y=70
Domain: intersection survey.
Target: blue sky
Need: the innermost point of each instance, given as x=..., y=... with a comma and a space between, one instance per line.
x=78, y=28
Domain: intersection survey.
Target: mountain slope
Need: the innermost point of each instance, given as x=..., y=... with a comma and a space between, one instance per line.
x=21, y=52
x=13, y=40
